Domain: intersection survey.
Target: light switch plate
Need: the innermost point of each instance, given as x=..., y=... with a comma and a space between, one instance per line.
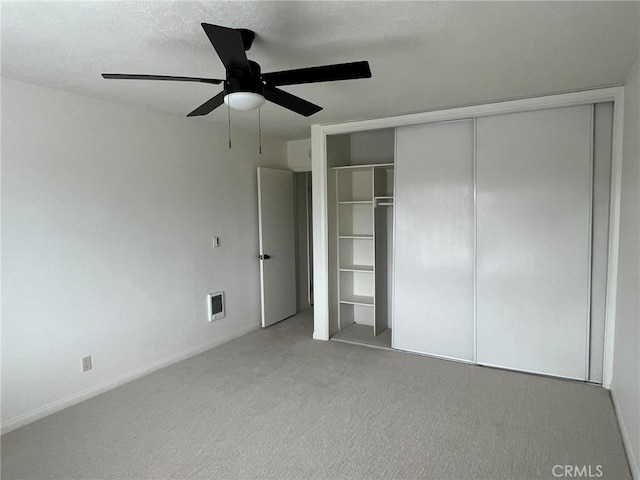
x=86, y=363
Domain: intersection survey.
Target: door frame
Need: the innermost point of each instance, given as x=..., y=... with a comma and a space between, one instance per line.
x=319, y=133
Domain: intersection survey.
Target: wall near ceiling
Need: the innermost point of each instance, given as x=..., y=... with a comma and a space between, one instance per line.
x=108, y=214
x=299, y=155
x=625, y=387
x=367, y=147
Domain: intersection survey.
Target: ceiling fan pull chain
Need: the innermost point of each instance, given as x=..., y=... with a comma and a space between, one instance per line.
x=259, y=134
x=229, y=123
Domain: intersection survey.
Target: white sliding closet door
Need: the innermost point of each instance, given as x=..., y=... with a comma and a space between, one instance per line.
x=433, y=263
x=533, y=240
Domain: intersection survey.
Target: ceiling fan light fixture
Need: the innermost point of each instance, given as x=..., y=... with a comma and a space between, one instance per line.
x=244, y=100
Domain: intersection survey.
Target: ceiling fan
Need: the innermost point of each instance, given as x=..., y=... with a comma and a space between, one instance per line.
x=245, y=87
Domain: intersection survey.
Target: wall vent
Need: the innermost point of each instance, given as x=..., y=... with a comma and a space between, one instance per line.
x=215, y=305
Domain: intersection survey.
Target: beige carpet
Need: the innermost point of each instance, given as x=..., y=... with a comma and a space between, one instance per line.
x=276, y=404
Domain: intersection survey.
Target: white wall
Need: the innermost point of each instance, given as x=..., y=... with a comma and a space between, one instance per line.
x=625, y=386
x=377, y=146
x=108, y=214
x=299, y=155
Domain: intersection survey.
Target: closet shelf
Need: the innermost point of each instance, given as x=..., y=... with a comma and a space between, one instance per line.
x=355, y=202
x=358, y=300
x=357, y=268
x=357, y=237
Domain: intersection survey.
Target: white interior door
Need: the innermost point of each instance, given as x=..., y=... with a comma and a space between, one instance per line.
x=277, y=244
x=533, y=240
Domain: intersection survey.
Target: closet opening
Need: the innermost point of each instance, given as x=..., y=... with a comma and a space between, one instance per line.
x=360, y=203
x=483, y=235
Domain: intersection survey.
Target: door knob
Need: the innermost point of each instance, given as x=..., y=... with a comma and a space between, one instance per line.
x=264, y=257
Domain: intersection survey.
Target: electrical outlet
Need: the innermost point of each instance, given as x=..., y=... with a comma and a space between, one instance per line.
x=86, y=363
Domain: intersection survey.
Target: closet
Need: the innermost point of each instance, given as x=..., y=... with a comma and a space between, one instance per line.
x=362, y=181
x=501, y=226
x=481, y=239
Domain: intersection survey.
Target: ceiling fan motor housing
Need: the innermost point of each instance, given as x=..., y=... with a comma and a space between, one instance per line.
x=244, y=81
x=248, y=36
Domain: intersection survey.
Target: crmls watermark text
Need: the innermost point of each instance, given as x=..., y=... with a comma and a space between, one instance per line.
x=577, y=471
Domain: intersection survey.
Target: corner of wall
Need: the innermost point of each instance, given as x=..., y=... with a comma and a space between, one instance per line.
x=633, y=461
x=625, y=383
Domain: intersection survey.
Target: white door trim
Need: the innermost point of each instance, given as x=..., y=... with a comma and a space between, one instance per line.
x=319, y=181
x=614, y=237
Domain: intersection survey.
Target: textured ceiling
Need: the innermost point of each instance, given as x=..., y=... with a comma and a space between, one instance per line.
x=423, y=55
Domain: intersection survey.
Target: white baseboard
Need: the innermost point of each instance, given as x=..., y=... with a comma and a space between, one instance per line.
x=633, y=461
x=83, y=395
